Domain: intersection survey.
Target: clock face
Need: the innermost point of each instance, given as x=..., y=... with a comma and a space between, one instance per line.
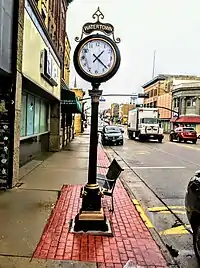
x=97, y=57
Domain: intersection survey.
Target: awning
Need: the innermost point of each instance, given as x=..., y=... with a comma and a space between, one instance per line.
x=186, y=119
x=69, y=102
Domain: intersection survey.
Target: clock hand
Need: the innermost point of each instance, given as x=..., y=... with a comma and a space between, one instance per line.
x=96, y=58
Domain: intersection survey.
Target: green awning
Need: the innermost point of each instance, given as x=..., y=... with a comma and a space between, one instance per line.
x=69, y=102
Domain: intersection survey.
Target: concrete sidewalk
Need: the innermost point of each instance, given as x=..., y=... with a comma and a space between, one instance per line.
x=34, y=219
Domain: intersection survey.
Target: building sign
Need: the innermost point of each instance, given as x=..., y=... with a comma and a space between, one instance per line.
x=102, y=99
x=68, y=102
x=49, y=69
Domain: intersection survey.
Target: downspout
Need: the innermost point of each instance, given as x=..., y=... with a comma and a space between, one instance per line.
x=15, y=30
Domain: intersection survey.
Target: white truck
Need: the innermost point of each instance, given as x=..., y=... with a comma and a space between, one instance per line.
x=143, y=124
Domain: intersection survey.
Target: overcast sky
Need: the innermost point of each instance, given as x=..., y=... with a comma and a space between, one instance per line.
x=171, y=27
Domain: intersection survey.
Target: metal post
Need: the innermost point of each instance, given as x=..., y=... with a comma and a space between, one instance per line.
x=92, y=171
x=154, y=61
x=91, y=216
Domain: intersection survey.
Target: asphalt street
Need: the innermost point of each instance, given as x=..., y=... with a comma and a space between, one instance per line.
x=158, y=175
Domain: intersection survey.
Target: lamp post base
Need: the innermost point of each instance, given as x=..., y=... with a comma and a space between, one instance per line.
x=91, y=216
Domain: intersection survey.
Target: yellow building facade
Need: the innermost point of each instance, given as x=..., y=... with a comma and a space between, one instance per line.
x=78, y=117
x=39, y=99
x=67, y=60
x=123, y=112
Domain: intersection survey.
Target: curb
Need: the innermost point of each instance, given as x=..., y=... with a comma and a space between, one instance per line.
x=171, y=262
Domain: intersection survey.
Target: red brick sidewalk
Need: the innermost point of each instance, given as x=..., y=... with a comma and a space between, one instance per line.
x=132, y=240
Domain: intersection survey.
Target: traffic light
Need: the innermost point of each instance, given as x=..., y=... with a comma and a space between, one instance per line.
x=143, y=95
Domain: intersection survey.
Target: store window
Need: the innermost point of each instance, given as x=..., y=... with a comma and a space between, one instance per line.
x=37, y=116
x=34, y=115
x=43, y=117
x=23, y=117
x=30, y=115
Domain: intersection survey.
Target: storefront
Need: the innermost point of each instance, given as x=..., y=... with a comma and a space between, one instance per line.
x=40, y=98
x=69, y=107
x=187, y=121
x=7, y=92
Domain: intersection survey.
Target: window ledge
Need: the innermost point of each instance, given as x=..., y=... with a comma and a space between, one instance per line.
x=33, y=136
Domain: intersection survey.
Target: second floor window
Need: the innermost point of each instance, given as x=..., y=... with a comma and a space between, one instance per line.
x=191, y=102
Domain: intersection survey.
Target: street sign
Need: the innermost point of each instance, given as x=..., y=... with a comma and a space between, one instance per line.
x=143, y=95
x=102, y=99
x=139, y=105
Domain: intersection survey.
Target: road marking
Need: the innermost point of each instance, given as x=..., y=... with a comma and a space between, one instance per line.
x=165, y=210
x=187, y=146
x=141, y=152
x=157, y=167
x=144, y=217
x=182, y=229
x=175, y=211
x=159, y=209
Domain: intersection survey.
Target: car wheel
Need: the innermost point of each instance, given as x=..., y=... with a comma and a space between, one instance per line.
x=160, y=140
x=103, y=143
x=194, y=142
x=196, y=242
x=171, y=138
x=178, y=139
x=130, y=135
x=122, y=143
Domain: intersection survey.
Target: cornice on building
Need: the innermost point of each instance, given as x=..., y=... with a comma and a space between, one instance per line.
x=162, y=77
x=159, y=77
x=186, y=86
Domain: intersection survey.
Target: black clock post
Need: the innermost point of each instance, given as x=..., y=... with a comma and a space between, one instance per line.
x=91, y=216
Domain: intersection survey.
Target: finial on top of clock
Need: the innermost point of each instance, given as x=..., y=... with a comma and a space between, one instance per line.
x=98, y=14
x=98, y=26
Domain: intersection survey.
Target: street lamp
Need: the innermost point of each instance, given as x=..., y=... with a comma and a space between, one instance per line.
x=96, y=60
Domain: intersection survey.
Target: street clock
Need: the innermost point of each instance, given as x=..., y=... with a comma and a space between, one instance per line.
x=97, y=58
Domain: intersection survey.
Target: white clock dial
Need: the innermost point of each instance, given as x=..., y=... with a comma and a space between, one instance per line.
x=97, y=57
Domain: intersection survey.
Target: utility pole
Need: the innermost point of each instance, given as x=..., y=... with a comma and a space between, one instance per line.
x=154, y=62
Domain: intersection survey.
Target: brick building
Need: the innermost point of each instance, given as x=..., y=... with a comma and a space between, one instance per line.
x=159, y=89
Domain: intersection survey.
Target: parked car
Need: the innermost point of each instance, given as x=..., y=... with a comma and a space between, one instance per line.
x=100, y=126
x=112, y=135
x=121, y=129
x=183, y=134
x=192, y=205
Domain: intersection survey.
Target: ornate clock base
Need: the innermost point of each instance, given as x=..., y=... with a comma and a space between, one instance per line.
x=93, y=221
x=91, y=216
